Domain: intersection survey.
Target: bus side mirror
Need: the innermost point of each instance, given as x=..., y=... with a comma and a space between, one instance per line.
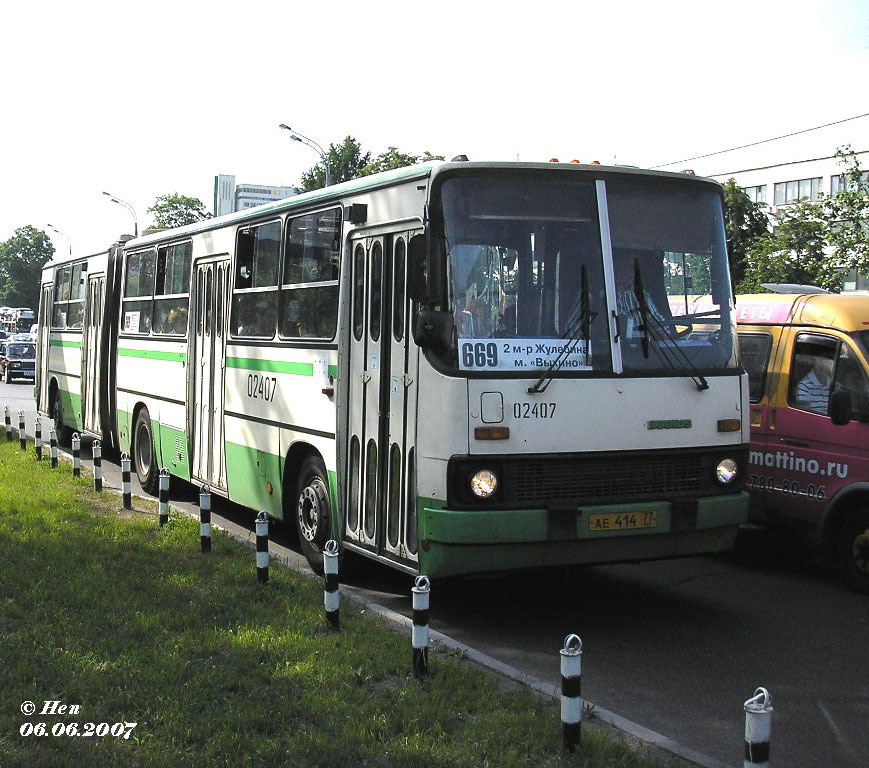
x=433, y=329
x=840, y=407
x=417, y=287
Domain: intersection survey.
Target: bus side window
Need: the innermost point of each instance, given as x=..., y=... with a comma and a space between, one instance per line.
x=171, y=294
x=754, y=349
x=254, y=299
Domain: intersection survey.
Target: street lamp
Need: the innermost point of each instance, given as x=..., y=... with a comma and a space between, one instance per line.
x=129, y=208
x=296, y=136
x=68, y=240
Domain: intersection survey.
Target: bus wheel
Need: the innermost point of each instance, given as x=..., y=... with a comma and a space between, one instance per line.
x=313, y=512
x=143, y=454
x=854, y=549
x=62, y=431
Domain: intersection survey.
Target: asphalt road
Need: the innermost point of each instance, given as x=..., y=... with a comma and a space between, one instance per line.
x=675, y=646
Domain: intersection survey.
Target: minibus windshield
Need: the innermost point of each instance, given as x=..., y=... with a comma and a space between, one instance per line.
x=526, y=280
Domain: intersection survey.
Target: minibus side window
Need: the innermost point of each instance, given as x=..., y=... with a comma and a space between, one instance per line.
x=754, y=351
x=812, y=370
x=851, y=378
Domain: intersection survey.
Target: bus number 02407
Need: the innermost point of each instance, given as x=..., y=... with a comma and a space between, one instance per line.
x=261, y=387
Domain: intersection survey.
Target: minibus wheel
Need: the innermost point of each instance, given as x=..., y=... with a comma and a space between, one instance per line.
x=143, y=454
x=854, y=549
x=313, y=512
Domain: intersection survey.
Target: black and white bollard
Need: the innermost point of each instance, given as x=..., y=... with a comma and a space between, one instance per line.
x=52, y=445
x=205, y=519
x=37, y=439
x=76, y=454
x=331, y=598
x=97, y=450
x=8, y=419
x=126, y=489
x=262, y=547
x=571, y=688
x=163, y=498
x=758, y=727
x=419, y=631
x=21, y=436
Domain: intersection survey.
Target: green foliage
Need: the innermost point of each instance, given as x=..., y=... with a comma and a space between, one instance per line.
x=847, y=214
x=22, y=257
x=744, y=222
x=392, y=158
x=177, y=210
x=346, y=161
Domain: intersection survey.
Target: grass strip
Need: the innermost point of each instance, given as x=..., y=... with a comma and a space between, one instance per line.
x=102, y=609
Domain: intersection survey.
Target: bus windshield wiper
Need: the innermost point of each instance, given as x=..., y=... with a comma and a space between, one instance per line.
x=579, y=328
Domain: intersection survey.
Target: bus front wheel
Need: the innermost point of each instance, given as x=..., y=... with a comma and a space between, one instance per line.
x=143, y=454
x=62, y=431
x=313, y=511
x=854, y=549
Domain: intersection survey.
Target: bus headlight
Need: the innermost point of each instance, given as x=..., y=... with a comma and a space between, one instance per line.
x=484, y=483
x=725, y=472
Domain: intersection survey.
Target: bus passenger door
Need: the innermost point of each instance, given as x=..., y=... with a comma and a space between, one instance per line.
x=43, y=348
x=90, y=358
x=382, y=393
x=207, y=372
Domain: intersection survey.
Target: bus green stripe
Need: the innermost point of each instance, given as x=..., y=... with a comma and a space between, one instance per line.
x=270, y=366
x=152, y=354
x=62, y=343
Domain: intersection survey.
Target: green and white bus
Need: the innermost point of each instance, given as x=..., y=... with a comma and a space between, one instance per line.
x=452, y=368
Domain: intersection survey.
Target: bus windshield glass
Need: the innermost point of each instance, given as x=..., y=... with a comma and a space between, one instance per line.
x=527, y=291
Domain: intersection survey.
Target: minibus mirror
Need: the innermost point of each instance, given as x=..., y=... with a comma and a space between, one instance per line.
x=840, y=407
x=416, y=277
x=433, y=329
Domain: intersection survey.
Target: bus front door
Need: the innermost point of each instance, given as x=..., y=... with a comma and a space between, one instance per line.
x=207, y=372
x=43, y=349
x=90, y=357
x=382, y=400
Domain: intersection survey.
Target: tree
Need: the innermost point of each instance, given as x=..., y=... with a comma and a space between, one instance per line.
x=22, y=257
x=744, y=222
x=847, y=216
x=392, y=158
x=794, y=252
x=346, y=162
x=177, y=210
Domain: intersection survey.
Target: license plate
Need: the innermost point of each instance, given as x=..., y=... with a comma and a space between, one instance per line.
x=622, y=521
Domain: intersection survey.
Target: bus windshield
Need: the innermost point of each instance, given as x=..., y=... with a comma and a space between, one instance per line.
x=527, y=286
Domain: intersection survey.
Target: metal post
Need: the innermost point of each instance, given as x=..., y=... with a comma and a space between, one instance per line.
x=97, y=450
x=52, y=442
x=331, y=599
x=126, y=490
x=758, y=726
x=76, y=454
x=205, y=519
x=571, y=700
x=163, y=498
x=8, y=419
x=262, y=547
x=419, y=632
x=37, y=440
x=21, y=436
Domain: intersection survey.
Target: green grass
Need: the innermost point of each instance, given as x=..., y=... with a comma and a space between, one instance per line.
x=105, y=610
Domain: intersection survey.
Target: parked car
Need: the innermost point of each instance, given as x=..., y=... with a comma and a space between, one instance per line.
x=19, y=361
x=807, y=358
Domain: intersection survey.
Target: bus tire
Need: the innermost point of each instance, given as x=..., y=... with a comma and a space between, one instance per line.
x=854, y=549
x=143, y=454
x=313, y=511
x=63, y=432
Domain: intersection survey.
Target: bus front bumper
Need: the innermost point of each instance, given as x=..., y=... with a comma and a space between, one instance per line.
x=455, y=542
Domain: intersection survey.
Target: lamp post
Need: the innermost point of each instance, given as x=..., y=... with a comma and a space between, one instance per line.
x=129, y=208
x=296, y=136
x=68, y=240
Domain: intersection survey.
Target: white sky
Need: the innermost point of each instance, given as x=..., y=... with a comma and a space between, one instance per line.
x=143, y=99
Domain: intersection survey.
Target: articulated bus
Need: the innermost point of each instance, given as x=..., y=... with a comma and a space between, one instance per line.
x=452, y=368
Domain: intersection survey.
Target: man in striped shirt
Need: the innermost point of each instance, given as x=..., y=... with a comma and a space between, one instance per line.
x=813, y=391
